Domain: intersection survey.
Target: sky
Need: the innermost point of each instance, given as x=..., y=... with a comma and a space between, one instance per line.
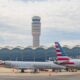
x=60, y=21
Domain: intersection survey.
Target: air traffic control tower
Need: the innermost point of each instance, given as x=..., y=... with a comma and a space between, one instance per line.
x=36, y=30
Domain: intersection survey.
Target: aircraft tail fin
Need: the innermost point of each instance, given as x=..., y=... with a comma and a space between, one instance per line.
x=61, y=56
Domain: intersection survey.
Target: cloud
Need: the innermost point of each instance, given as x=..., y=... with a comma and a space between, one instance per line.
x=10, y=39
x=58, y=17
x=70, y=43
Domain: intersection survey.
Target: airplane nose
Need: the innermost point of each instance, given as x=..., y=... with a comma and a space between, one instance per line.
x=1, y=62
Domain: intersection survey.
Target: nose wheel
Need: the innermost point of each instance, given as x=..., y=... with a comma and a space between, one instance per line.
x=22, y=70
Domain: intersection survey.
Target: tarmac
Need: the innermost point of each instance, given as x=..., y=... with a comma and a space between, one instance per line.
x=8, y=74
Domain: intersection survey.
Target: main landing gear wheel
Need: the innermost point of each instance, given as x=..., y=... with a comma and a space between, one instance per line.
x=71, y=69
x=53, y=70
x=22, y=70
x=35, y=71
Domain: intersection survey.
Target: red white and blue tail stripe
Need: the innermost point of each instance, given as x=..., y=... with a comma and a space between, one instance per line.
x=61, y=56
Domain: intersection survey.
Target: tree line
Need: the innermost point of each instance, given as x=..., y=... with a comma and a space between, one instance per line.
x=39, y=54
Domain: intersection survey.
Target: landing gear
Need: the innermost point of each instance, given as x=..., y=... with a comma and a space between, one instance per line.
x=67, y=69
x=53, y=70
x=59, y=70
x=71, y=70
x=22, y=70
x=74, y=70
x=35, y=71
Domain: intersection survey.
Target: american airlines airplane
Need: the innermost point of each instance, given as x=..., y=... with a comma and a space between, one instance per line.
x=23, y=65
x=63, y=59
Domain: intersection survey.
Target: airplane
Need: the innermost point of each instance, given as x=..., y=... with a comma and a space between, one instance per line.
x=63, y=59
x=23, y=65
